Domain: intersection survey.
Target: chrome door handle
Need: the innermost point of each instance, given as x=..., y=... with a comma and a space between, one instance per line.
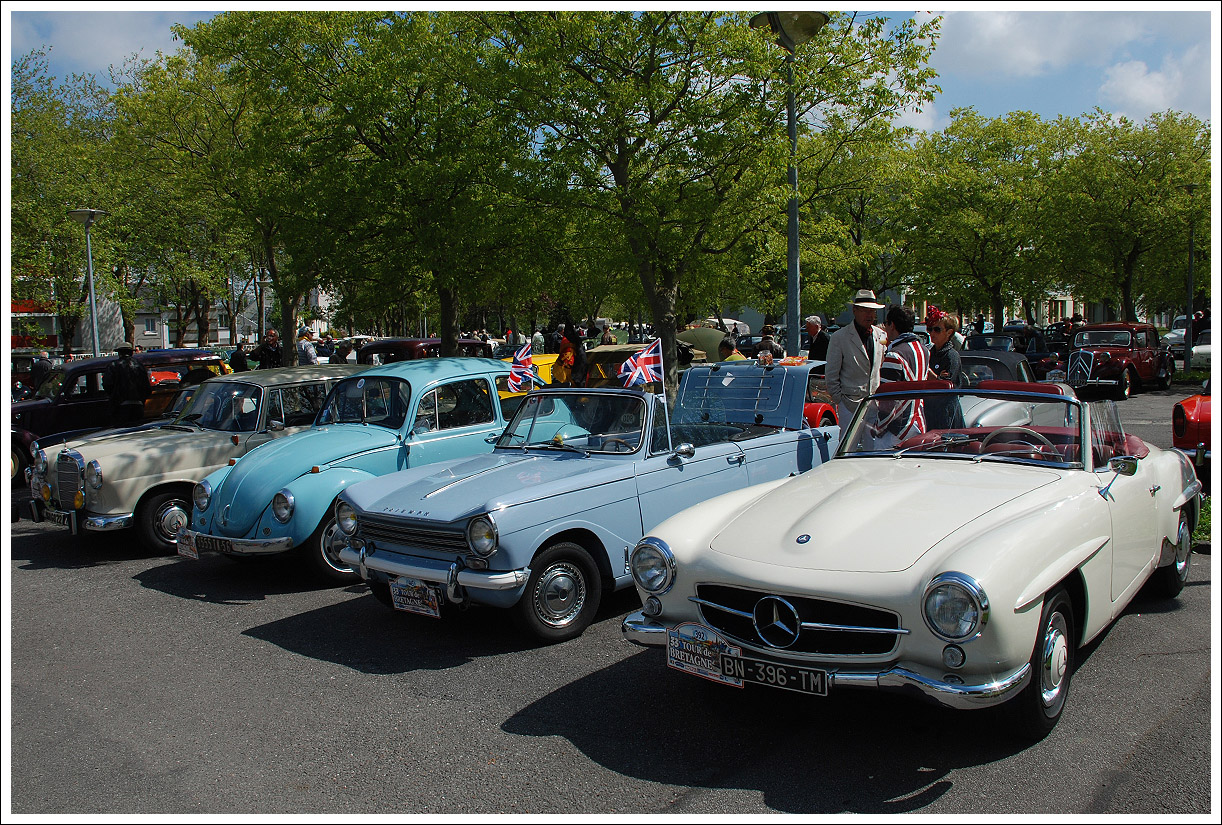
x=734, y=459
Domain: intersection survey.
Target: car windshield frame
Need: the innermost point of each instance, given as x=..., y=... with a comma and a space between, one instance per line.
x=212, y=407
x=586, y=422
x=1037, y=419
x=1083, y=338
x=389, y=416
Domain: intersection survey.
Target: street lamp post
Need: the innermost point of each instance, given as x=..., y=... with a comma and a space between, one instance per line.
x=1189, y=188
x=792, y=28
x=87, y=217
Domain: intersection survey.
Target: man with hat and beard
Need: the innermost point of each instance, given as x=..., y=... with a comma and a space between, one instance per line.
x=128, y=385
x=854, y=357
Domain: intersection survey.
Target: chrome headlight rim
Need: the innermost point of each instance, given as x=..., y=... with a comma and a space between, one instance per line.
x=345, y=518
x=202, y=496
x=652, y=548
x=40, y=462
x=975, y=595
x=93, y=474
x=283, y=502
x=482, y=536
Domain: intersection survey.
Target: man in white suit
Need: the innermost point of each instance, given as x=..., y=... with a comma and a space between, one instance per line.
x=854, y=355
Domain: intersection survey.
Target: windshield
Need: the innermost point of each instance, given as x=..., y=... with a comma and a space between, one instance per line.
x=590, y=423
x=1203, y=338
x=1102, y=338
x=225, y=406
x=49, y=388
x=969, y=424
x=378, y=400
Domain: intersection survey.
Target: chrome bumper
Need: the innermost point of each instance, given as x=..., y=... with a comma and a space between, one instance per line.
x=1200, y=456
x=639, y=629
x=103, y=524
x=432, y=570
x=245, y=547
x=77, y=520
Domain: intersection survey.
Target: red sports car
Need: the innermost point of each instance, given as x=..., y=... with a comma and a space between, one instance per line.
x=1190, y=421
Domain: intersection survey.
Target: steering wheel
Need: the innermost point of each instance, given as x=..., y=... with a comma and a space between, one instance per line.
x=988, y=439
x=627, y=446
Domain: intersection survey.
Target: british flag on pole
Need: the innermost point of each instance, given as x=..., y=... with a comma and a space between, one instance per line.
x=644, y=367
x=521, y=370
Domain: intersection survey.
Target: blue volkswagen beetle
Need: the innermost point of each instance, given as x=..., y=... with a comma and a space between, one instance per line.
x=279, y=496
x=543, y=525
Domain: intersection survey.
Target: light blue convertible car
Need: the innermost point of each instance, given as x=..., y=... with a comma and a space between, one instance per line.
x=544, y=524
x=280, y=496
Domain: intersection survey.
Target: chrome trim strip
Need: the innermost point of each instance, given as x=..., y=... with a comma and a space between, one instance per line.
x=250, y=547
x=103, y=524
x=641, y=630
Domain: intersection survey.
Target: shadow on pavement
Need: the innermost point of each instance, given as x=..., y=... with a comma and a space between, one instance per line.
x=222, y=580
x=42, y=547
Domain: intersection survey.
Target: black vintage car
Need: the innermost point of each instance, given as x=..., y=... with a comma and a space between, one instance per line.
x=74, y=397
x=390, y=350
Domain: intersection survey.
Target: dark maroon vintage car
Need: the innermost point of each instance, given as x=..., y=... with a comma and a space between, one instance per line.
x=1121, y=357
x=389, y=350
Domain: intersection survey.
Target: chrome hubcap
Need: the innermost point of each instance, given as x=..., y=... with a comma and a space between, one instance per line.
x=560, y=594
x=1054, y=664
x=332, y=544
x=171, y=518
x=1183, y=552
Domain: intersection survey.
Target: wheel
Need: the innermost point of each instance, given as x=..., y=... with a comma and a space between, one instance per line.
x=1038, y=708
x=562, y=595
x=322, y=550
x=16, y=463
x=158, y=519
x=827, y=420
x=1125, y=388
x=988, y=439
x=1169, y=581
x=1164, y=377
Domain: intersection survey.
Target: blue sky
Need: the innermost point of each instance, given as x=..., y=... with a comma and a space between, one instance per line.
x=1052, y=58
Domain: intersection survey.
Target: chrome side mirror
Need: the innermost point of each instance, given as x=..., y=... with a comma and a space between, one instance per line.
x=275, y=425
x=1123, y=465
x=684, y=450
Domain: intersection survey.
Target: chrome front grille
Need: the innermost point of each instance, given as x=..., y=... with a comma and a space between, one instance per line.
x=68, y=468
x=411, y=534
x=828, y=628
x=1081, y=365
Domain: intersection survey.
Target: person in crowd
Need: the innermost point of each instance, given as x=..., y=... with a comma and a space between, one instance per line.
x=40, y=368
x=768, y=343
x=340, y=355
x=306, y=354
x=566, y=357
x=128, y=384
x=557, y=338
x=607, y=338
x=728, y=351
x=268, y=354
x=237, y=360
x=854, y=357
x=817, y=351
x=944, y=365
x=537, y=344
x=906, y=359
x=978, y=324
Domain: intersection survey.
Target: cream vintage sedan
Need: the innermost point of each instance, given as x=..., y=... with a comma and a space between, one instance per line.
x=962, y=561
x=144, y=478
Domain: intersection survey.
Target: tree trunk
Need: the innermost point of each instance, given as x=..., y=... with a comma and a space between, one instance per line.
x=448, y=301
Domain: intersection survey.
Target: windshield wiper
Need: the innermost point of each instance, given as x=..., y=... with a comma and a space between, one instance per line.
x=943, y=438
x=558, y=445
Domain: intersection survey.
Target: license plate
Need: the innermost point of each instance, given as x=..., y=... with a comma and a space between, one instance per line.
x=186, y=545
x=63, y=519
x=774, y=674
x=696, y=649
x=415, y=596
x=211, y=544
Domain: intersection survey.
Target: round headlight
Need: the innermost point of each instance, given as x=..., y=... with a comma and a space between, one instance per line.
x=93, y=474
x=481, y=536
x=955, y=607
x=202, y=495
x=653, y=565
x=282, y=506
x=345, y=518
x=40, y=462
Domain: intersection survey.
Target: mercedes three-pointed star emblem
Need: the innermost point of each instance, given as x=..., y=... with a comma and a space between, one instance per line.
x=776, y=621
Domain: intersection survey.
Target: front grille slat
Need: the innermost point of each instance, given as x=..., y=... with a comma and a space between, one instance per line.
x=828, y=627
x=67, y=478
x=449, y=540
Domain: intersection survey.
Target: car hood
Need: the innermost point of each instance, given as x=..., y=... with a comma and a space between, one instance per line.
x=451, y=490
x=151, y=452
x=875, y=515
x=264, y=471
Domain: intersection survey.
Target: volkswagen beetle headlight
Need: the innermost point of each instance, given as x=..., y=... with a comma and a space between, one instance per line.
x=282, y=506
x=956, y=607
x=345, y=518
x=202, y=495
x=93, y=474
x=482, y=536
x=653, y=565
x=40, y=462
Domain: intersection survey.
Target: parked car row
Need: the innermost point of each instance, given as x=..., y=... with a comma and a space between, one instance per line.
x=1004, y=533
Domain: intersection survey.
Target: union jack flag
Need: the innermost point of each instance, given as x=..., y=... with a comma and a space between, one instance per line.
x=521, y=370
x=644, y=367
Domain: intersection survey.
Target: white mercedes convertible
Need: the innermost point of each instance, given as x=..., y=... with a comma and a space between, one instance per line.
x=934, y=554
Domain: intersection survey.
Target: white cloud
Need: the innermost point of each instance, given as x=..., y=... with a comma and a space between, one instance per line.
x=926, y=120
x=1134, y=89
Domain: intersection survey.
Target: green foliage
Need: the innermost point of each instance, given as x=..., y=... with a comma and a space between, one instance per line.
x=1202, y=533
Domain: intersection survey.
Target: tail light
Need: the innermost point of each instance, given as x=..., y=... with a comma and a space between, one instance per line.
x=1179, y=421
